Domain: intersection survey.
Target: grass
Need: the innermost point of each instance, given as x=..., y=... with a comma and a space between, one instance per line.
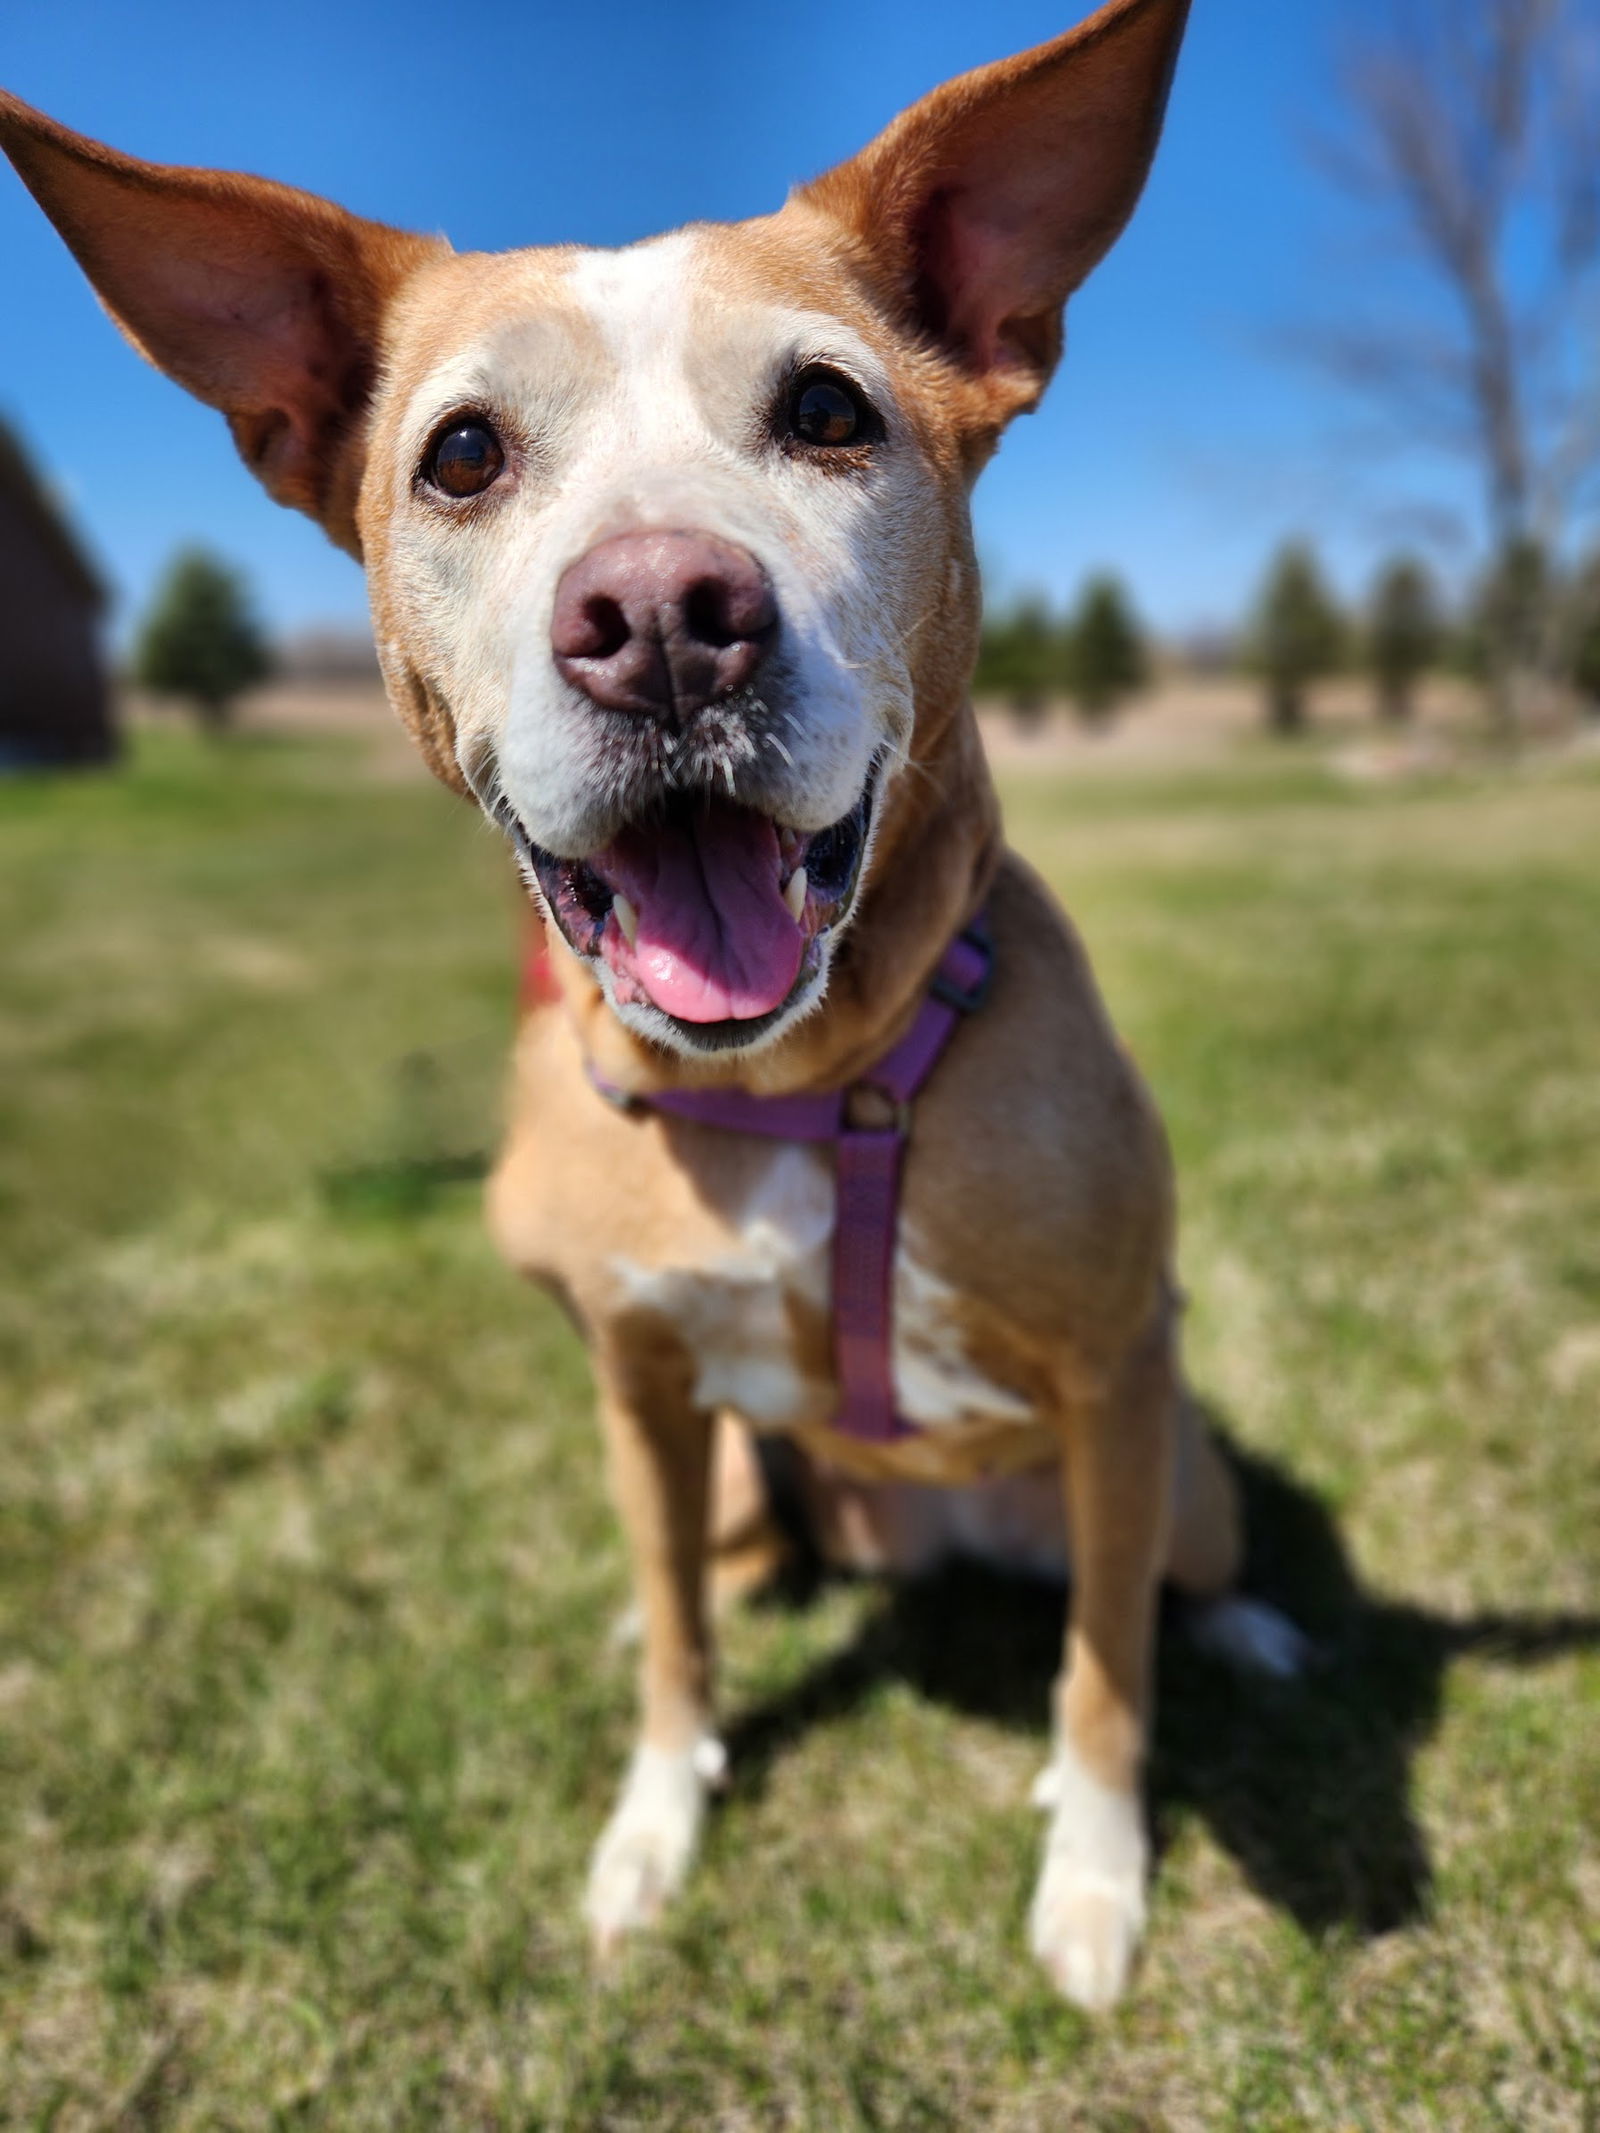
x=308, y=1708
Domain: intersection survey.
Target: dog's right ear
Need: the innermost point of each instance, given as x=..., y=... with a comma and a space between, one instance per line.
x=265, y=302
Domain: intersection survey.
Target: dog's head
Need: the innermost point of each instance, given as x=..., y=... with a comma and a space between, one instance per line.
x=668, y=547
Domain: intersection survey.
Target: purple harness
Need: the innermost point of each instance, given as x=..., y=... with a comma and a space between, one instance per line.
x=867, y=1170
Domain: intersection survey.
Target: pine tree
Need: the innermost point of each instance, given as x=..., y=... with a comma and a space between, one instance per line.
x=1108, y=658
x=1405, y=635
x=1583, y=634
x=1298, y=634
x=1512, y=612
x=199, y=640
x=1020, y=658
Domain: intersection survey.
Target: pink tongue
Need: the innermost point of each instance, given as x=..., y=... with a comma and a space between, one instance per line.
x=716, y=941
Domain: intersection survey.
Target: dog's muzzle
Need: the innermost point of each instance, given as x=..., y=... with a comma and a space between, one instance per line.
x=705, y=913
x=708, y=912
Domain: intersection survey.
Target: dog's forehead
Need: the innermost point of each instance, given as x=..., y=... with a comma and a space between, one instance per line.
x=703, y=301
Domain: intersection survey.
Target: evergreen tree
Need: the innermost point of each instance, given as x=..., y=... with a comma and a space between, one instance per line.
x=1108, y=657
x=1298, y=634
x=1405, y=635
x=1020, y=657
x=1583, y=634
x=199, y=640
x=1513, y=610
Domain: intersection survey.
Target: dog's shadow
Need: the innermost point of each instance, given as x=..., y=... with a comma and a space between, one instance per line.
x=1307, y=1784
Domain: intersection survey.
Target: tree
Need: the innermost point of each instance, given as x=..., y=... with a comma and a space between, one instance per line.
x=1405, y=635
x=1470, y=142
x=200, y=640
x=1297, y=635
x=1515, y=612
x=1583, y=633
x=1108, y=659
x=1020, y=657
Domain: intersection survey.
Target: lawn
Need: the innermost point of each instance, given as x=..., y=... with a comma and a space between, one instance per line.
x=310, y=1702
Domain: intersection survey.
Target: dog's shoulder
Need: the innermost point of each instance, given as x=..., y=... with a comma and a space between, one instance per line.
x=1040, y=1137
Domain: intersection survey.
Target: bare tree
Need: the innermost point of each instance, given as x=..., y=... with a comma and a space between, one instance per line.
x=1470, y=139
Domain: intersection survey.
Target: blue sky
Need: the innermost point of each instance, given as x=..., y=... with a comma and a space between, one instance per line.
x=1175, y=447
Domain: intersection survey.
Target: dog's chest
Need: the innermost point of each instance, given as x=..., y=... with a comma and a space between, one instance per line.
x=738, y=1310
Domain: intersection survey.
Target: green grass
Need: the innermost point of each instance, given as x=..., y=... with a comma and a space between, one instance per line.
x=309, y=1711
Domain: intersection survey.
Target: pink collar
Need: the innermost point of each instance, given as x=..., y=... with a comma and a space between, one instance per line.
x=867, y=1163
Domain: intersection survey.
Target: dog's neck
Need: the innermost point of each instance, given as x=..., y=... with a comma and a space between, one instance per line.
x=931, y=865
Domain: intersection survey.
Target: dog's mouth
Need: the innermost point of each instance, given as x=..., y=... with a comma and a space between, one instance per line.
x=709, y=912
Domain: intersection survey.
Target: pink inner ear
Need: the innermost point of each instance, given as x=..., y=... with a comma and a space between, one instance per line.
x=252, y=324
x=253, y=333
x=996, y=195
x=982, y=252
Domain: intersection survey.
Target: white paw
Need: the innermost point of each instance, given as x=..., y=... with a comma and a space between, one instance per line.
x=645, y=1851
x=1088, y=1910
x=1250, y=1635
x=1085, y=1928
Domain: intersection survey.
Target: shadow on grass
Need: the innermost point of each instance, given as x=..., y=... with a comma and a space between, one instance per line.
x=1307, y=1784
x=422, y=1142
x=398, y=1189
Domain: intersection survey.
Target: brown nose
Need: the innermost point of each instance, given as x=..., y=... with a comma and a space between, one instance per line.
x=662, y=623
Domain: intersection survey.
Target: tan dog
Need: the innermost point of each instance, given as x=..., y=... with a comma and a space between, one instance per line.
x=670, y=560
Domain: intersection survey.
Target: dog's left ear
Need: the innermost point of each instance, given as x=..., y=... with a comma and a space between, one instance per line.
x=265, y=302
x=982, y=208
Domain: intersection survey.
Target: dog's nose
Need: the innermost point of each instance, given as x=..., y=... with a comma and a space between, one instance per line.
x=662, y=623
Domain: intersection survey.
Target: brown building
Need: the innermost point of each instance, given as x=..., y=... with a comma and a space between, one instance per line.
x=55, y=695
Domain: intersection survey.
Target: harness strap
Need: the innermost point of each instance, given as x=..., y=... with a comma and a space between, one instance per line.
x=867, y=1164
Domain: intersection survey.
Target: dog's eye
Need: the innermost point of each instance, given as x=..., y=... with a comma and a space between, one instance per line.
x=465, y=458
x=824, y=411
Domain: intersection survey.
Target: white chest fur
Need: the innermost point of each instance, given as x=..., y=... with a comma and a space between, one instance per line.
x=732, y=1309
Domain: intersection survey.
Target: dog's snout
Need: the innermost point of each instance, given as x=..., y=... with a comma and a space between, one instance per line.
x=662, y=623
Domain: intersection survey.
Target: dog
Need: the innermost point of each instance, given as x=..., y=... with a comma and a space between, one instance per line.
x=672, y=575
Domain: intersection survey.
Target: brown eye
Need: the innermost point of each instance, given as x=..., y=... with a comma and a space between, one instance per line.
x=465, y=459
x=824, y=411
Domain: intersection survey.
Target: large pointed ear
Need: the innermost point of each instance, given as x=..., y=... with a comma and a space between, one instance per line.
x=265, y=302
x=983, y=207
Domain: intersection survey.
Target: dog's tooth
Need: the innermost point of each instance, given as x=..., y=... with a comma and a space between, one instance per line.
x=794, y=893
x=626, y=917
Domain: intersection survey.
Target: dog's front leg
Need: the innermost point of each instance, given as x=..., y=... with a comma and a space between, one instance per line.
x=1089, y=1907
x=660, y=1452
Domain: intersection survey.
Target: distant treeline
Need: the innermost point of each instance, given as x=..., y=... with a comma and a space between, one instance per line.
x=1528, y=634
x=1097, y=653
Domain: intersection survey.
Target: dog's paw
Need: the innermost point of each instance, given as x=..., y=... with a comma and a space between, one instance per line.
x=645, y=1851
x=1250, y=1635
x=1085, y=1928
x=1088, y=1910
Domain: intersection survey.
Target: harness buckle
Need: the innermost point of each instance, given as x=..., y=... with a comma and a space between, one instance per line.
x=946, y=990
x=879, y=1111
